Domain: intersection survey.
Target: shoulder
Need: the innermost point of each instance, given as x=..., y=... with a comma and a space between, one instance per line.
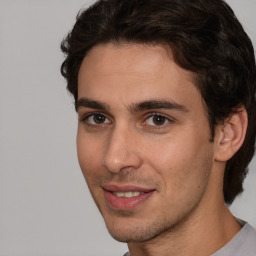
x=243, y=243
x=248, y=240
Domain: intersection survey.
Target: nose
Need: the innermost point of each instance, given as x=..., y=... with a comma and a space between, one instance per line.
x=122, y=152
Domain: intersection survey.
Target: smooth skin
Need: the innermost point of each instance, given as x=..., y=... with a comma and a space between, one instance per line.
x=143, y=125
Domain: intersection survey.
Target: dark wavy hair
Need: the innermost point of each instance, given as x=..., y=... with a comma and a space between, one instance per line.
x=204, y=36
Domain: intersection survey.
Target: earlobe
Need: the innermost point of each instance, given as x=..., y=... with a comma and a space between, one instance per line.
x=231, y=135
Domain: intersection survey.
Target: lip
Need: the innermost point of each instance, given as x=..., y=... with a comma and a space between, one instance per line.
x=121, y=203
x=125, y=188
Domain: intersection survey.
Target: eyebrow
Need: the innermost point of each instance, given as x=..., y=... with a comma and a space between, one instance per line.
x=88, y=103
x=133, y=108
x=157, y=104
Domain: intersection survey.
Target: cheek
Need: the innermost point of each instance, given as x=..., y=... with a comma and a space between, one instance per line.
x=182, y=162
x=88, y=152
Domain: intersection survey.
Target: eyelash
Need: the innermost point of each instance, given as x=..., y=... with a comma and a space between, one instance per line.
x=149, y=115
x=167, y=120
x=85, y=119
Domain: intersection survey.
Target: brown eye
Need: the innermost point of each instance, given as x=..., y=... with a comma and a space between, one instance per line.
x=159, y=120
x=156, y=120
x=97, y=119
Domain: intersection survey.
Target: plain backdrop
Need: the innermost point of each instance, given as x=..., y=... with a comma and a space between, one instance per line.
x=45, y=206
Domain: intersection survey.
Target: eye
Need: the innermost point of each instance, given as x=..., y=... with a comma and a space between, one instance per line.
x=96, y=119
x=157, y=120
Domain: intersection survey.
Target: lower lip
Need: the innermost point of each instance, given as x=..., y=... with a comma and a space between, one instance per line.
x=122, y=203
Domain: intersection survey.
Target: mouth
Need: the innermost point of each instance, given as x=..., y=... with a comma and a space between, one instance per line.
x=126, y=197
x=128, y=194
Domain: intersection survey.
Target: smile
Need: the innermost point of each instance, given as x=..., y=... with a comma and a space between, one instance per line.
x=127, y=194
x=126, y=197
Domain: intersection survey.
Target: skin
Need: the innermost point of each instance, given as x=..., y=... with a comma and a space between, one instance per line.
x=161, y=148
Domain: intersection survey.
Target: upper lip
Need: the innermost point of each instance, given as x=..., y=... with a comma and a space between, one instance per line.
x=126, y=188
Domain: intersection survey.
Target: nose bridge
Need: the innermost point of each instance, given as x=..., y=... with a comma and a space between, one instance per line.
x=121, y=151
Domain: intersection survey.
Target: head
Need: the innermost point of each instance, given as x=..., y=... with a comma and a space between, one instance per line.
x=202, y=38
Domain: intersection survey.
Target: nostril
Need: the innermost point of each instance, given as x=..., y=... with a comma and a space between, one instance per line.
x=116, y=164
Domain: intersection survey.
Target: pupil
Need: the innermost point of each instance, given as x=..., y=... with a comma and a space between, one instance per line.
x=98, y=119
x=159, y=120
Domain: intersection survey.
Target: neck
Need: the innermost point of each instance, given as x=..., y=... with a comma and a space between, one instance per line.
x=204, y=232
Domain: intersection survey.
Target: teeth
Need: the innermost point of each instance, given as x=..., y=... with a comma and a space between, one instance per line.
x=127, y=194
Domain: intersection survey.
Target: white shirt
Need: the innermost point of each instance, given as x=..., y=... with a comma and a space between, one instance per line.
x=242, y=244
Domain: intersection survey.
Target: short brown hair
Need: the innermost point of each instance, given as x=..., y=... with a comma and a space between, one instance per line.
x=205, y=37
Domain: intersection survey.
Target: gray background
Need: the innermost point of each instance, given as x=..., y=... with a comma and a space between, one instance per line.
x=45, y=207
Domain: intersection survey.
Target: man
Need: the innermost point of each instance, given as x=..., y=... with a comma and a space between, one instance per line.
x=165, y=95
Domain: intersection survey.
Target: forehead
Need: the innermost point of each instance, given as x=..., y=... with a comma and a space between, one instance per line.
x=132, y=55
x=133, y=72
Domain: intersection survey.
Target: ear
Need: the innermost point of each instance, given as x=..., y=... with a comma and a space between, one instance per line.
x=231, y=134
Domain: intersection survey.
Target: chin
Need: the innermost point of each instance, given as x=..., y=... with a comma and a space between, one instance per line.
x=130, y=236
x=136, y=232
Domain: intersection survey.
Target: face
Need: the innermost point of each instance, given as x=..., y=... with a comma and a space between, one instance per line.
x=143, y=140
